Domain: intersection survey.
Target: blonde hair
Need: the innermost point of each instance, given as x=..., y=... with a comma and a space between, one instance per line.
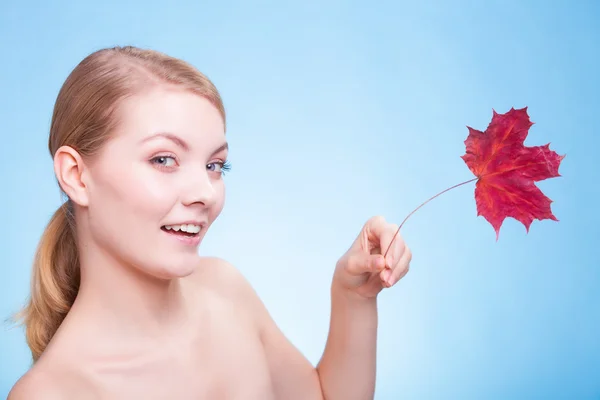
x=84, y=117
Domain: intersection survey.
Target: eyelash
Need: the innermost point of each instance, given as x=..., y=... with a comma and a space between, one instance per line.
x=225, y=165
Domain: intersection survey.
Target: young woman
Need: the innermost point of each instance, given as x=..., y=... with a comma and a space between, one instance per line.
x=122, y=306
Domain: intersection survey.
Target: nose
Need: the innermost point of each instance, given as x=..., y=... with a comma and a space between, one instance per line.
x=199, y=189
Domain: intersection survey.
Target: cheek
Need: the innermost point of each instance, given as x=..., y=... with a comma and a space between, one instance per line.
x=136, y=194
x=126, y=208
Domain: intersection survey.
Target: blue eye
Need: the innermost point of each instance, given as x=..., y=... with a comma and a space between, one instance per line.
x=164, y=161
x=222, y=167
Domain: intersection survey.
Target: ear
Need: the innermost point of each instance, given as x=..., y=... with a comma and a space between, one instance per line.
x=69, y=168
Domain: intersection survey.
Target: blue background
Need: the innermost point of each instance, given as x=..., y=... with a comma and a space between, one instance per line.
x=343, y=110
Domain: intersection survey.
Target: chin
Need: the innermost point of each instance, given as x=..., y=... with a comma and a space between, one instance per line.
x=170, y=268
x=179, y=270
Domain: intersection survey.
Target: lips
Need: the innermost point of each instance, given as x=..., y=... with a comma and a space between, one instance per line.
x=188, y=233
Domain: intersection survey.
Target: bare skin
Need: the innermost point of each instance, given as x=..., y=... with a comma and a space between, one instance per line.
x=152, y=319
x=216, y=353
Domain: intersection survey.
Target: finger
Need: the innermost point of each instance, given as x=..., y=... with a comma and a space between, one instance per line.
x=375, y=228
x=389, y=236
x=395, y=258
x=359, y=263
x=392, y=239
x=400, y=269
x=379, y=234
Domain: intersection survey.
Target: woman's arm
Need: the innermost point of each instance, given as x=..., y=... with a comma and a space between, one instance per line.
x=347, y=368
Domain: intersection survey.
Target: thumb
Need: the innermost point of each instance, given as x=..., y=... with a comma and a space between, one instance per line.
x=361, y=263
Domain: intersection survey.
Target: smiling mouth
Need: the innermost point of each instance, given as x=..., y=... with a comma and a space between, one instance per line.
x=182, y=230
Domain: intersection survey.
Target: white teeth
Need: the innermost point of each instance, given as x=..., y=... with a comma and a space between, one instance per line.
x=189, y=228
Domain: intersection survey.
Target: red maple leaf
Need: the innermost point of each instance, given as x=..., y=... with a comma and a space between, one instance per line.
x=507, y=170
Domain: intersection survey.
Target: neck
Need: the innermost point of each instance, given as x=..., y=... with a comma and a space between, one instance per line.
x=124, y=302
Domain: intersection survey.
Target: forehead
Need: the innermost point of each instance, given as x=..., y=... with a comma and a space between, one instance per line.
x=191, y=117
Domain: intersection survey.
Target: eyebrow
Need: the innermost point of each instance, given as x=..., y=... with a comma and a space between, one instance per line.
x=180, y=142
x=174, y=138
x=224, y=146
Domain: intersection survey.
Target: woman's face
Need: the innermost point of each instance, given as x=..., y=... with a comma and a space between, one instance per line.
x=157, y=186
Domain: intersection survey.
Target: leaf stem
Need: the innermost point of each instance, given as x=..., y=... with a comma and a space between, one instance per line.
x=422, y=204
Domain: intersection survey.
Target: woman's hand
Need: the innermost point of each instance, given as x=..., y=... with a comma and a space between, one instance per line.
x=362, y=270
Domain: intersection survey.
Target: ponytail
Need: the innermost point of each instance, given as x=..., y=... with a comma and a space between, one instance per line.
x=55, y=281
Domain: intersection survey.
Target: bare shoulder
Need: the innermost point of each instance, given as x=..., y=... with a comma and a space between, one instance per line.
x=221, y=276
x=226, y=282
x=36, y=384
